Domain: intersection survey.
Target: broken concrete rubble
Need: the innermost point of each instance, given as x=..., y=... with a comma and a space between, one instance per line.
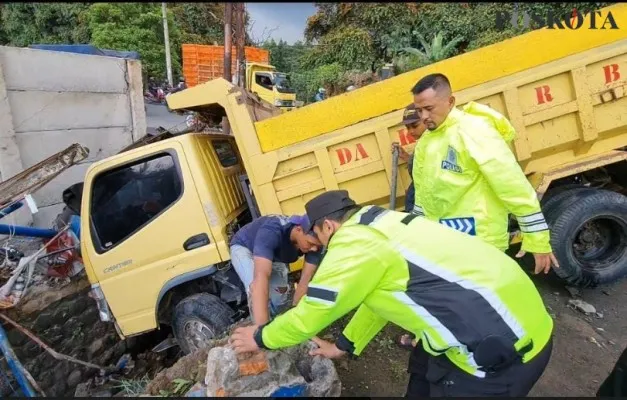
x=264, y=373
x=217, y=368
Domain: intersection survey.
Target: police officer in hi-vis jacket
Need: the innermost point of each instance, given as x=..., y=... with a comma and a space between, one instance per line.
x=467, y=177
x=478, y=316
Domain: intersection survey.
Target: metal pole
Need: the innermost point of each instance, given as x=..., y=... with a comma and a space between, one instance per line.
x=228, y=17
x=166, y=34
x=240, y=43
x=394, y=178
x=19, y=372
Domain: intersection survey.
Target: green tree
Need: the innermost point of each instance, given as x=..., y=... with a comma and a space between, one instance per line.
x=136, y=27
x=434, y=51
x=355, y=35
x=24, y=24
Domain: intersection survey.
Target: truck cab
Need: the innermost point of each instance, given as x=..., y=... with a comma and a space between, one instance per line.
x=270, y=85
x=157, y=224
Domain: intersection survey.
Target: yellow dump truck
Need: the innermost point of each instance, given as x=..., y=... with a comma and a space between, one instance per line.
x=156, y=220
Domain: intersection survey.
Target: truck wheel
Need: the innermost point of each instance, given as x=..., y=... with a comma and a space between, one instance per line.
x=557, y=190
x=198, y=319
x=562, y=200
x=589, y=239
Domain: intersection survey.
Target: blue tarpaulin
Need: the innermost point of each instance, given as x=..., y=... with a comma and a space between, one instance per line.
x=86, y=49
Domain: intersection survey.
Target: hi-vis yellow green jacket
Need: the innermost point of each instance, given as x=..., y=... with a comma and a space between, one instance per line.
x=467, y=177
x=455, y=292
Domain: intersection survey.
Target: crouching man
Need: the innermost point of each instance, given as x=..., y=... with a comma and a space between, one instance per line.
x=261, y=253
x=477, y=314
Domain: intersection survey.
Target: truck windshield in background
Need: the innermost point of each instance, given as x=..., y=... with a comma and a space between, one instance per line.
x=282, y=83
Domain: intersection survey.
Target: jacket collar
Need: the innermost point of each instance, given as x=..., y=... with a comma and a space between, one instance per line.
x=451, y=119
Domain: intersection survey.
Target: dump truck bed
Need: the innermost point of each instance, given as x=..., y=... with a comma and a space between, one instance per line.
x=563, y=90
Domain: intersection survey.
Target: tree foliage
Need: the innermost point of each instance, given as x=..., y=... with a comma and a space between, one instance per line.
x=199, y=23
x=24, y=24
x=285, y=57
x=359, y=32
x=138, y=27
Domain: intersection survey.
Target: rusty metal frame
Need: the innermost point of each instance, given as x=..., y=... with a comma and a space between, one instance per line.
x=40, y=174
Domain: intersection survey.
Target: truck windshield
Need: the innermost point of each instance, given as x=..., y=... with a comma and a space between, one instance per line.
x=283, y=84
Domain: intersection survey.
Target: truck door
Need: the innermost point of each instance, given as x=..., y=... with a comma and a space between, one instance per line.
x=147, y=227
x=263, y=86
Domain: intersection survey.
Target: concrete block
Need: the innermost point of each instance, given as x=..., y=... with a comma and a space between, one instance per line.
x=101, y=142
x=10, y=161
x=44, y=70
x=136, y=96
x=50, y=194
x=46, y=111
x=45, y=216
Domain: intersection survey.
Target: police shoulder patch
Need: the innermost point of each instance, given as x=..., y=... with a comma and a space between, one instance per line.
x=450, y=162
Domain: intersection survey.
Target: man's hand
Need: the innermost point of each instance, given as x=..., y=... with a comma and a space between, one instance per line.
x=543, y=261
x=326, y=349
x=243, y=340
x=402, y=154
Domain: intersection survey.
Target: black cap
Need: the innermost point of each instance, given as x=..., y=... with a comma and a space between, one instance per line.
x=327, y=203
x=410, y=115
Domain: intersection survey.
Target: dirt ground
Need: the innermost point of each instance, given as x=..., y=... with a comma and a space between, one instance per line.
x=584, y=351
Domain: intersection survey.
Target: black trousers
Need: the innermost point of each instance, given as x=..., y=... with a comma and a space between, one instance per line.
x=437, y=377
x=615, y=385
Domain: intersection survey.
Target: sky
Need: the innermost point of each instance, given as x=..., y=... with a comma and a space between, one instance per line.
x=289, y=19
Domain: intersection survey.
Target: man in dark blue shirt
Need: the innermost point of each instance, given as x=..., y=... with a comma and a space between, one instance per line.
x=261, y=253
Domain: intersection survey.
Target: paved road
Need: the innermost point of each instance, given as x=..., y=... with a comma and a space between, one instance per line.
x=157, y=115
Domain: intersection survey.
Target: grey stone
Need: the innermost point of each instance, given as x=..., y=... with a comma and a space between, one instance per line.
x=285, y=368
x=74, y=378
x=574, y=292
x=82, y=389
x=43, y=321
x=58, y=389
x=79, y=305
x=582, y=306
x=599, y=315
x=95, y=348
x=90, y=317
x=16, y=338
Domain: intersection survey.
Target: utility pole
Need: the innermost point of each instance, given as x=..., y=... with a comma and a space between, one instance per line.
x=228, y=34
x=240, y=38
x=166, y=34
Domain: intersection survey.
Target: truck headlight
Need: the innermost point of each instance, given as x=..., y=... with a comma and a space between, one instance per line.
x=278, y=103
x=103, y=308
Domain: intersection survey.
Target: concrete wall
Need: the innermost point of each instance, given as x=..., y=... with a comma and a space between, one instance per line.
x=50, y=100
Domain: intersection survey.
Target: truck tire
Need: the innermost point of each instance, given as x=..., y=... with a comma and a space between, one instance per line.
x=557, y=190
x=589, y=239
x=199, y=318
x=562, y=200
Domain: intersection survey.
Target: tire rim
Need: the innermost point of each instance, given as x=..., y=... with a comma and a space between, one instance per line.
x=599, y=242
x=197, y=334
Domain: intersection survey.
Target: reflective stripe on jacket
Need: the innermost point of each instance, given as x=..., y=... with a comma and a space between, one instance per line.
x=467, y=177
x=451, y=290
